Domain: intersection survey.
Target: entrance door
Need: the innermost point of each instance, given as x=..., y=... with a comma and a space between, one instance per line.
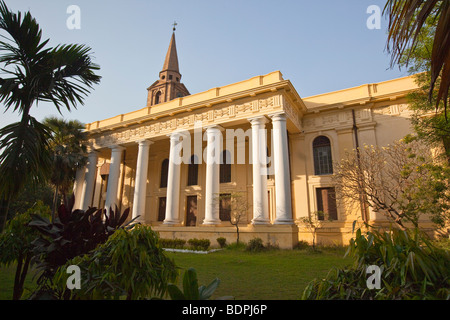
x=191, y=211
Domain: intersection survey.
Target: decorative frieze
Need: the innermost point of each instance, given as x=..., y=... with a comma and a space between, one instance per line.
x=391, y=110
x=334, y=119
x=186, y=121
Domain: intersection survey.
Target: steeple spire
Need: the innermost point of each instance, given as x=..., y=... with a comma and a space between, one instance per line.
x=171, y=61
x=169, y=85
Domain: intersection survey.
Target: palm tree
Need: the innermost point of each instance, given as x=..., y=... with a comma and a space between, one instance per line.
x=406, y=20
x=32, y=73
x=68, y=149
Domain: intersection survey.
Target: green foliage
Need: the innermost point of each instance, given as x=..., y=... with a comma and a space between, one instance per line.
x=255, y=245
x=222, y=242
x=193, y=244
x=199, y=244
x=301, y=245
x=191, y=290
x=412, y=268
x=29, y=196
x=237, y=246
x=131, y=263
x=67, y=146
x=172, y=243
x=16, y=244
x=429, y=120
x=71, y=234
x=17, y=236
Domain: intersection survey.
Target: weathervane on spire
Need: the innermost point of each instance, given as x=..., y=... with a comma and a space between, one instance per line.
x=174, y=25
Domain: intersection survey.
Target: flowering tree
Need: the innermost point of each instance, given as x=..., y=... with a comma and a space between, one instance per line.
x=402, y=181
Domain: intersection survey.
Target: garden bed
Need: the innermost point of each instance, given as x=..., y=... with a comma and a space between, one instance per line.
x=191, y=251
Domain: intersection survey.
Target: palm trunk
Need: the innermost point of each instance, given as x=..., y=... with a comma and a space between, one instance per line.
x=446, y=143
x=17, y=292
x=4, y=209
x=55, y=203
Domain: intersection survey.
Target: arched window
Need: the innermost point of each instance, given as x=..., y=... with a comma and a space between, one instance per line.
x=225, y=167
x=193, y=171
x=164, y=173
x=158, y=97
x=323, y=163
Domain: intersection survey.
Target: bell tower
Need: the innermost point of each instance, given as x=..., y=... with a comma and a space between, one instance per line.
x=169, y=85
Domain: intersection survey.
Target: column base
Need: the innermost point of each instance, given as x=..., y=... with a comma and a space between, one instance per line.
x=171, y=222
x=260, y=221
x=211, y=222
x=283, y=221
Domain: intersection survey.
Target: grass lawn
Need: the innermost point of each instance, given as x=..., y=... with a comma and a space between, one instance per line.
x=7, y=282
x=272, y=275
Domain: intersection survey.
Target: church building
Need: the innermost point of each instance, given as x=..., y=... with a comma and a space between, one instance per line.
x=186, y=163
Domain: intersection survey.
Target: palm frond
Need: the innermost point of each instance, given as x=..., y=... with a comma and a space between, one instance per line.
x=25, y=159
x=406, y=19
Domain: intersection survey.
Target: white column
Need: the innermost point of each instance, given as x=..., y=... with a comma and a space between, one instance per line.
x=78, y=187
x=113, y=178
x=259, y=159
x=140, y=187
x=280, y=154
x=89, y=181
x=173, y=181
x=212, y=188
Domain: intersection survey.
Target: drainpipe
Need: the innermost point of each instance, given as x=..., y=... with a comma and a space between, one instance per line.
x=362, y=200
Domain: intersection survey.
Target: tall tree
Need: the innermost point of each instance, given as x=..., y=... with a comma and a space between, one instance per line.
x=406, y=20
x=429, y=120
x=68, y=149
x=32, y=72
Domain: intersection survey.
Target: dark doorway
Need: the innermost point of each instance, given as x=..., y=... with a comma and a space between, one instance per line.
x=326, y=203
x=191, y=211
x=162, y=209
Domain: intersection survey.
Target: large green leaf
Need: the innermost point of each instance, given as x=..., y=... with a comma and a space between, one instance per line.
x=190, y=284
x=206, y=292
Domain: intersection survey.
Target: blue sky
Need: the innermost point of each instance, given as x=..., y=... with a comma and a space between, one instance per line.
x=320, y=46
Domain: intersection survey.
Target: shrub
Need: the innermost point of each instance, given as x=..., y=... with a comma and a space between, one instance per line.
x=255, y=245
x=199, y=244
x=412, y=268
x=16, y=244
x=130, y=264
x=172, y=243
x=71, y=234
x=301, y=245
x=222, y=242
x=240, y=246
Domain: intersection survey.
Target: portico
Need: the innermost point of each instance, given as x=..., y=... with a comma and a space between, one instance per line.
x=260, y=110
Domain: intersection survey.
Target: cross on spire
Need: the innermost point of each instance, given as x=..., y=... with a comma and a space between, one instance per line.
x=174, y=25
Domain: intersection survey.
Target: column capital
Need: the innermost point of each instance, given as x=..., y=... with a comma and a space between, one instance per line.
x=258, y=120
x=145, y=142
x=117, y=148
x=92, y=154
x=279, y=116
x=213, y=127
x=91, y=150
